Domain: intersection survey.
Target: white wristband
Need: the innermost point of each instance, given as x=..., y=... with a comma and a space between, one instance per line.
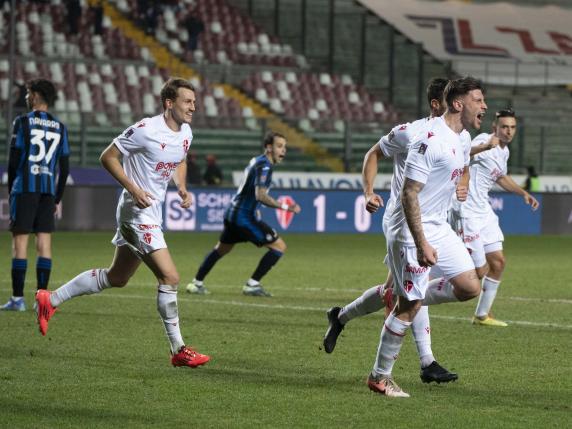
x=284, y=206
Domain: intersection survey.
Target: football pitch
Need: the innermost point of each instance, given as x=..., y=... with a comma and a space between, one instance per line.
x=105, y=361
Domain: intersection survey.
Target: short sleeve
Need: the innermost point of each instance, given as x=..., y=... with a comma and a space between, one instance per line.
x=131, y=139
x=421, y=158
x=263, y=176
x=396, y=141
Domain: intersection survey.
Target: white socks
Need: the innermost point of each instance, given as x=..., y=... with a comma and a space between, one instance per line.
x=421, y=329
x=487, y=297
x=86, y=283
x=167, y=308
x=390, y=343
x=369, y=302
x=439, y=291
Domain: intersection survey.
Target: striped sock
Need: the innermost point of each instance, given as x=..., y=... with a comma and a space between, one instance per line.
x=43, y=270
x=19, y=267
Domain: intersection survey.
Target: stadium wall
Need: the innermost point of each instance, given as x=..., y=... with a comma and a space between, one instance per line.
x=323, y=211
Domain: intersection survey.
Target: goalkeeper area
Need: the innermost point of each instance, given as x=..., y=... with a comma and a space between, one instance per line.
x=105, y=360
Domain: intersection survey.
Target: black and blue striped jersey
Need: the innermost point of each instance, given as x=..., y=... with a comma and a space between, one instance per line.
x=258, y=173
x=39, y=143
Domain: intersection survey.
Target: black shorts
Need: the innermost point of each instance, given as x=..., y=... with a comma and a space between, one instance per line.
x=32, y=212
x=252, y=230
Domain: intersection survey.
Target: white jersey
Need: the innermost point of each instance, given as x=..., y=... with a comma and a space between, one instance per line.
x=436, y=159
x=485, y=169
x=151, y=153
x=396, y=144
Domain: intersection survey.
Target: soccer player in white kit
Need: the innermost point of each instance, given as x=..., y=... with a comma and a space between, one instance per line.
x=475, y=220
x=143, y=160
x=418, y=234
x=395, y=146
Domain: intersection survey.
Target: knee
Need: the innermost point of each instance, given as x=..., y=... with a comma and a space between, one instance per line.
x=117, y=280
x=498, y=264
x=279, y=245
x=171, y=279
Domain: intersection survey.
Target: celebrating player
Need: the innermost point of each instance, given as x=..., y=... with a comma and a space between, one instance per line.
x=475, y=219
x=241, y=223
x=39, y=144
x=395, y=145
x=143, y=160
x=417, y=232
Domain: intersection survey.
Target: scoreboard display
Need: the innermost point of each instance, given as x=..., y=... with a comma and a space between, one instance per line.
x=336, y=211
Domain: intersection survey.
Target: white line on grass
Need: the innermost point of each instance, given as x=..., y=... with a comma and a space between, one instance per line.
x=202, y=300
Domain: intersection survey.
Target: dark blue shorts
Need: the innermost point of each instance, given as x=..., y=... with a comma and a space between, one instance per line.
x=32, y=212
x=252, y=230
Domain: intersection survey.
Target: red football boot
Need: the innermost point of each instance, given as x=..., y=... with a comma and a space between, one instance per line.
x=45, y=309
x=186, y=356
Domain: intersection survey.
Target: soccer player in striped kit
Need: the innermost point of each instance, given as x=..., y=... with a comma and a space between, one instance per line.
x=241, y=222
x=39, y=150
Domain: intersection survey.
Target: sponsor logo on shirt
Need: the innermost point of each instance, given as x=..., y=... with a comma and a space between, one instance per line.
x=129, y=133
x=470, y=238
x=169, y=166
x=495, y=174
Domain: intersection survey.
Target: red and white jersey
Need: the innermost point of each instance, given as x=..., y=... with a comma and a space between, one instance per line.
x=151, y=153
x=485, y=169
x=437, y=160
x=396, y=144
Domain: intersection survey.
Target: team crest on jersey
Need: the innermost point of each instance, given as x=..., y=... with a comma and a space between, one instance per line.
x=401, y=128
x=147, y=237
x=186, y=145
x=285, y=217
x=408, y=285
x=422, y=148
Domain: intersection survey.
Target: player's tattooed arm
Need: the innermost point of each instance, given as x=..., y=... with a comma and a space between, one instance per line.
x=369, y=171
x=426, y=254
x=267, y=200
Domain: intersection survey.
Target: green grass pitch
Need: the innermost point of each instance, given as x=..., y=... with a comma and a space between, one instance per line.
x=105, y=360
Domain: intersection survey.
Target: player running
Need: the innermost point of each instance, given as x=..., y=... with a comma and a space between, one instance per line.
x=143, y=160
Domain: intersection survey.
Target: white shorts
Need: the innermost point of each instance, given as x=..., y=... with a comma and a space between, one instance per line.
x=411, y=280
x=141, y=239
x=481, y=235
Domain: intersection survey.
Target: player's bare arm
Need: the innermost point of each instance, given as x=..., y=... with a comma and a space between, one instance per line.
x=491, y=144
x=462, y=190
x=509, y=185
x=179, y=177
x=426, y=254
x=369, y=171
x=111, y=160
x=267, y=200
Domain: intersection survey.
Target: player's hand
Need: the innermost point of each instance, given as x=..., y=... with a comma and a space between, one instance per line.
x=426, y=255
x=462, y=192
x=143, y=199
x=531, y=201
x=493, y=142
x=186, y=198
x=295, y=208
x=373, y=202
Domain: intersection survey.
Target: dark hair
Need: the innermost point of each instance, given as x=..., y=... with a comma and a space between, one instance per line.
x=169, y=90
x=270, y=136
x=435, y=89
x=459, y=87
x=505, y=113
x=45, y=88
